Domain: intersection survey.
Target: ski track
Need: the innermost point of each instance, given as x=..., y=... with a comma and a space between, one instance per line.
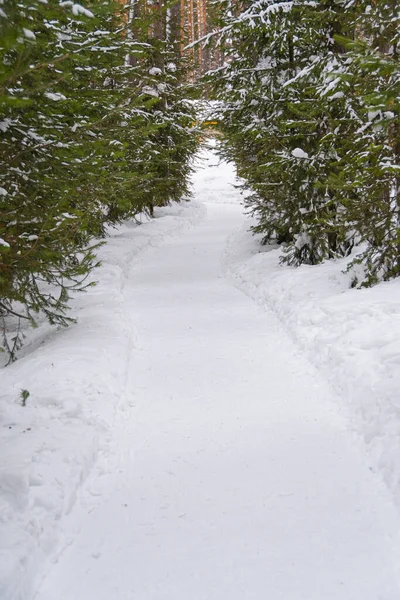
x=232, y=473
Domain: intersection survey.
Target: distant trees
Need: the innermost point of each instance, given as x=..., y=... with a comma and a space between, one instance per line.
x=94, y=128
x=310, y=111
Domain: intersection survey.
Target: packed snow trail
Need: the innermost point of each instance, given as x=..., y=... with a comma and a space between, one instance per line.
x=236, y=477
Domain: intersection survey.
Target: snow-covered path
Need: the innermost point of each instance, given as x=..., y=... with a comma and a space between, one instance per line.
x=234, y=476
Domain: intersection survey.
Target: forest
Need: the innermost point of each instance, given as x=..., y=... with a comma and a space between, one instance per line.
x=199, y=299
x=99, y=124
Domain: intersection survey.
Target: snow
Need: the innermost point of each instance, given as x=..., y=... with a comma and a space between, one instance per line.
x=336, y=96
x=178, y=443
x=147, y=89
x=75, y=378
x=352, y=336
x=29, y=34
x=213, y=178
x=331, y=86
x=4, y=243
x=155, y=71
x=299, y=153
x=77, y=10
x=56, y=97
x=4, y=125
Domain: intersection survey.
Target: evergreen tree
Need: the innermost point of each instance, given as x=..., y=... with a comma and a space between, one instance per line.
x=369, y=177
x=91, y=132
x=309, y=98
x=276, y=121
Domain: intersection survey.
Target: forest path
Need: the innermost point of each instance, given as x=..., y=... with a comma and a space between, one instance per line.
x=236, y=477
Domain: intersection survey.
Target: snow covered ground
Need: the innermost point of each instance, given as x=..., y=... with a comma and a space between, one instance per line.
x=177, y=444
x=352, y=336
x=76, y=379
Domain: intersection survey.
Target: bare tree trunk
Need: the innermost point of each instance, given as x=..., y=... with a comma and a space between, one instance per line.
x=183, y=26
x=129, y=59
x=174, y=25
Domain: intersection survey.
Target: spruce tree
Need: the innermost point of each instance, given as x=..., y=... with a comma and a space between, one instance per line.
x=92, y=132
x=369, y=178
x=309, y=111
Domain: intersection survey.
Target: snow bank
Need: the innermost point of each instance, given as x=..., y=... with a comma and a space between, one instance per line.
x=76, y=380
x=352, y=335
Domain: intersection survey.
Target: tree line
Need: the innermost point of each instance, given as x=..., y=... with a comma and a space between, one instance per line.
x=95, y=127
x=310, y=111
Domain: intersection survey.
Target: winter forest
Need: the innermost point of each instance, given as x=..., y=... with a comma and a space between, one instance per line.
x=199, y=300
x=99, y=125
